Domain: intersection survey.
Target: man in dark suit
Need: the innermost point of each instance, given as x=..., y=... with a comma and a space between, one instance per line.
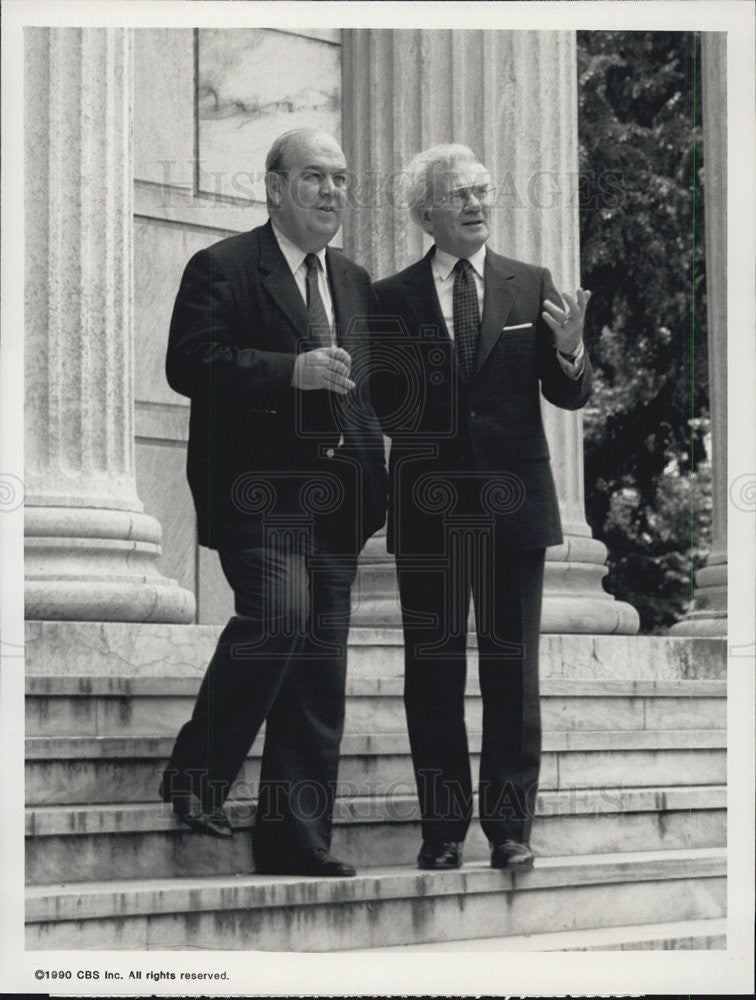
x=286, y=467
x=465, y=338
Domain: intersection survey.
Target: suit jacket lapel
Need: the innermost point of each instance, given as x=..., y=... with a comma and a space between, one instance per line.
x=421, y=295
x=346, y=299
x=501, y=291
x=279, y=281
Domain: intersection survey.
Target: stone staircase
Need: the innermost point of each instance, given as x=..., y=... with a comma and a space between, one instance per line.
x=630, y=832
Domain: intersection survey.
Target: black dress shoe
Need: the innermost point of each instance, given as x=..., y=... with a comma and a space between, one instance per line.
x=512, y=854
x=439, y=855
x=212, y=824
x=304, y=863
x=188, y=809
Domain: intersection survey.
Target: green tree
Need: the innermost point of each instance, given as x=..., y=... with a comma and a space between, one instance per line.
x=642, y=256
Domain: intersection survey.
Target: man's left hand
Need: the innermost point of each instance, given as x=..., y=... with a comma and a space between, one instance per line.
x=567, y=324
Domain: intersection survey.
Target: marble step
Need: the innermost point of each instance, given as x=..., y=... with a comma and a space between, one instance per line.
x=379, y=907
x=144, y=840
x=112, y=649
x=684, y=935
x=146, y=706
x=69, y=770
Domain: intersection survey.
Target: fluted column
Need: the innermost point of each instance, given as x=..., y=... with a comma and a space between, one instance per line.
x=90, y=550
x=709, y=616
x=512, y=97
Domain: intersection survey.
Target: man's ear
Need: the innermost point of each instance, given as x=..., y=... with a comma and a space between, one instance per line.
x=425, y=221
x=273, y=183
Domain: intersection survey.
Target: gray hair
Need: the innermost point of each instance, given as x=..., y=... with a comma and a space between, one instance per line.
x=276, y=157
x=275, y=161
x=425, y=167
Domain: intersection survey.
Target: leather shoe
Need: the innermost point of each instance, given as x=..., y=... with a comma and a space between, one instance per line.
x=304, y=863
x=512, y=854
x=188, y=809
x=437, y=855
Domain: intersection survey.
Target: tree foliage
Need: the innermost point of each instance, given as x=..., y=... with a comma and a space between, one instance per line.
x=642, y=256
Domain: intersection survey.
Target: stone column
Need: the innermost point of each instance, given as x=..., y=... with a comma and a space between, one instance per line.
x=709, y=616
x=512, y=97
x=91, y=552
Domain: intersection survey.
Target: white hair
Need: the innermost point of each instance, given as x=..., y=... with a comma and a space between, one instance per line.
x=425, y=167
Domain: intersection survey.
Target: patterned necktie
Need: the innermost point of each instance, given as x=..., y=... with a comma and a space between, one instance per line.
x=318, y=327
x=466, y=316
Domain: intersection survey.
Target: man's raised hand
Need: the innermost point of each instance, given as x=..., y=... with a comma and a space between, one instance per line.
x=323, y=368
x=567, y=324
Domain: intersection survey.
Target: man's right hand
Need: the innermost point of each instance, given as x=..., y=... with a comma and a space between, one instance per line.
x=323, y=368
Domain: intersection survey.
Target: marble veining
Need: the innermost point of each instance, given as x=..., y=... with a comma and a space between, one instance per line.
x=254, y=84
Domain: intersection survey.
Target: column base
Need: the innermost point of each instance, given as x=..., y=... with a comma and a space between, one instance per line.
x=574, y=600
x=86, y=564
x=709, y=617
x=698, y=624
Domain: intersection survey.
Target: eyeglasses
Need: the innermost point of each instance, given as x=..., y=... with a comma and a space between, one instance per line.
x=483, y=193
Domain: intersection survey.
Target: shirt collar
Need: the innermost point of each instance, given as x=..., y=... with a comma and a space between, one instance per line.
x=443, y=262
x=293, y=254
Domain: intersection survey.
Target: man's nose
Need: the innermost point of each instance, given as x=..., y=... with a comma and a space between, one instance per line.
x=327, y=185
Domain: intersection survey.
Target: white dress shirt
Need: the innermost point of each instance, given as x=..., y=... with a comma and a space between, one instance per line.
x=442, y=264
x=295, y=258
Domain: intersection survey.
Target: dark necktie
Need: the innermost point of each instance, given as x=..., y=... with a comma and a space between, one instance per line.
x=319, y=329
x=319, y=334
x=466, y=316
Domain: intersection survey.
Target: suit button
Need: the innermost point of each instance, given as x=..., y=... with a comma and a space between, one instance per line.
x=473, y=413
x=330, y=453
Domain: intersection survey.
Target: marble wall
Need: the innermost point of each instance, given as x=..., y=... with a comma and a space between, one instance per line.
x=163, y=106
x=207, y=105
x=252, y=85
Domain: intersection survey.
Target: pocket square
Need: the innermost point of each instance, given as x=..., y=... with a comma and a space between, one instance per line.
x=520, y=326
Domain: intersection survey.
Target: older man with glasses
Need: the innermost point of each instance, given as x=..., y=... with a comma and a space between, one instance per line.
x=466, y=343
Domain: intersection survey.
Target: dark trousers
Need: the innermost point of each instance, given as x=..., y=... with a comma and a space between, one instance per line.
x=435, y=591
x=281, y=659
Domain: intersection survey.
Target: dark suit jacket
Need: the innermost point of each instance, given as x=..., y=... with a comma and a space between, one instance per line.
x=262, y=454
x=495, y=419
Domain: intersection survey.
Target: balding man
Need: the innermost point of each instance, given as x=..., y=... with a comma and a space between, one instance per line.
x=467, y=340
x=286, y=468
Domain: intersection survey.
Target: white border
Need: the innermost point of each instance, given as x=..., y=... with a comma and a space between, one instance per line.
x=443, y=973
